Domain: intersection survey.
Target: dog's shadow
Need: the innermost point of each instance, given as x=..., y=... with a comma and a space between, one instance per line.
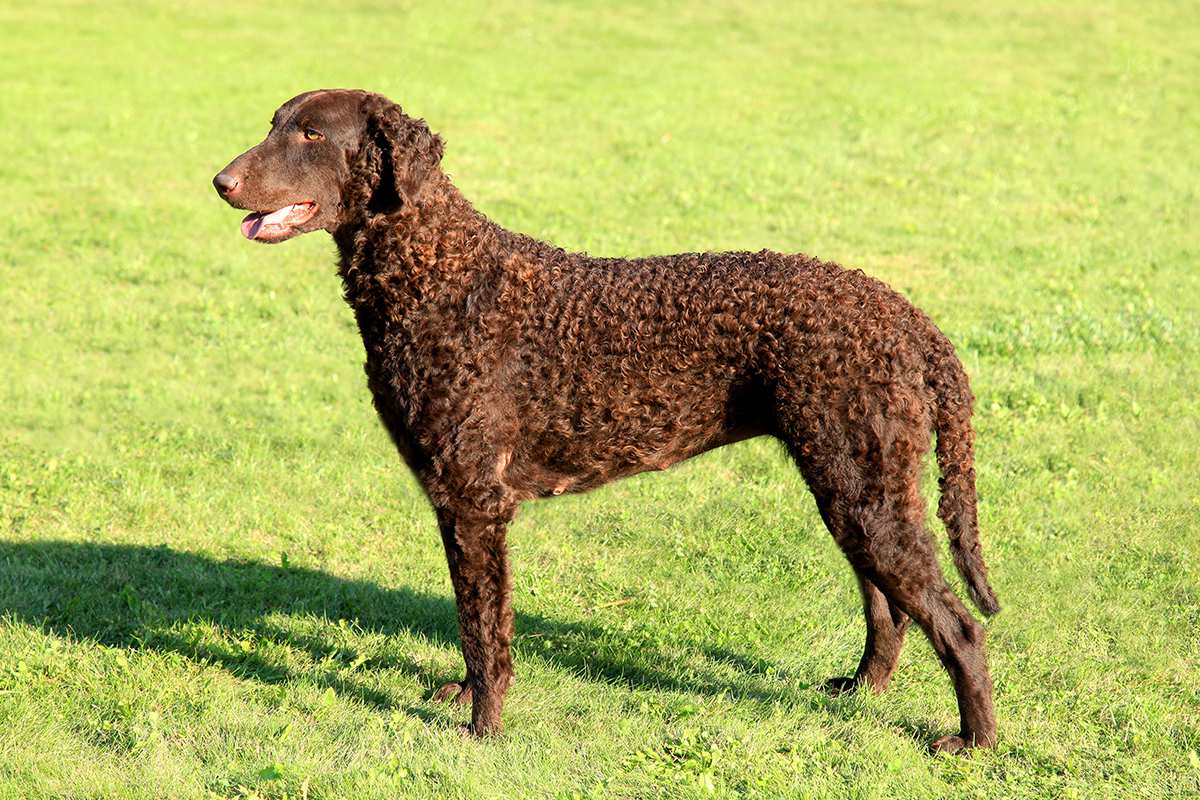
x=221, y=612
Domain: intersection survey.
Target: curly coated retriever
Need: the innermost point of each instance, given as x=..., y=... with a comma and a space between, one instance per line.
x=505, y=368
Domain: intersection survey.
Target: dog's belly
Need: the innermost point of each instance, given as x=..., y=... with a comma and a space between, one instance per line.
x=539, y=479
x=601, y=447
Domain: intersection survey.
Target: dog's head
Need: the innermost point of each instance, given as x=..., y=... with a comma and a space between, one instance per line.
x=332, y=158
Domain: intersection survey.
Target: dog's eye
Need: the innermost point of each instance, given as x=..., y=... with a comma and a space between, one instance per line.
x=312, y=135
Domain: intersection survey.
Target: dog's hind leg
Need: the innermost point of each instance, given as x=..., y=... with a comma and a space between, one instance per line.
x=823, y=454
x=907, y=572
x=864, y=469
x=889, y=546
x=886, y=625
x=890, y=549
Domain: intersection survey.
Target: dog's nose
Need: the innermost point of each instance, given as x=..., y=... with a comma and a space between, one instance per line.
x=225, y=183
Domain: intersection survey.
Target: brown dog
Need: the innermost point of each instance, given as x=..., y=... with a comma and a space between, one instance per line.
x=505, y=369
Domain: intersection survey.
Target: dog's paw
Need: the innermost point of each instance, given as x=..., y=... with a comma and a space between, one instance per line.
x=482, y=730
x=949, y=744
x=454, y=692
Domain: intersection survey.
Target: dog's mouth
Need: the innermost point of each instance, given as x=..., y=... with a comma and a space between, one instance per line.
x=270, y=226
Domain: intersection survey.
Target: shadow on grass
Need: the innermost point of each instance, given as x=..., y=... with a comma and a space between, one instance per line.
x=151, y=597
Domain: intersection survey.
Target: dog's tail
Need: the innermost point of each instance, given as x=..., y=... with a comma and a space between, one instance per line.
x=956, y=461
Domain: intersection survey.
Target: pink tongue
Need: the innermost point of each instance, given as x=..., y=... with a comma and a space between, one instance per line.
x=253, y=223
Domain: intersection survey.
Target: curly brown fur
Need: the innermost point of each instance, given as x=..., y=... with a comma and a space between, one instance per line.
x=506, y=369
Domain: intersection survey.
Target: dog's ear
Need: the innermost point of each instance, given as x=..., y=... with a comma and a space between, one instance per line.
x=398, y=153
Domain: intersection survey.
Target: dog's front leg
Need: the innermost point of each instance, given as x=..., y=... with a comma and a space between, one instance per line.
x=478, y=558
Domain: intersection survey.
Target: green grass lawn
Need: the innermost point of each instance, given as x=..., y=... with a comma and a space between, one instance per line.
x=218, y=580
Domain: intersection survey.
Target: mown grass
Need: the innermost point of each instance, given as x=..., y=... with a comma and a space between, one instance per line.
x=216, y=580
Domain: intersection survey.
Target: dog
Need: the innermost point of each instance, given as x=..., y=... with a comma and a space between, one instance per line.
x=505, y=368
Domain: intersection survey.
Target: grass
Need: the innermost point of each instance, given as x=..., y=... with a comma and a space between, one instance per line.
x=216, y=579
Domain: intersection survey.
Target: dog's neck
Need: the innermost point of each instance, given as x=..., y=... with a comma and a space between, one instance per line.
x=434, y=249
x=437, y=230
x=429, y=269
